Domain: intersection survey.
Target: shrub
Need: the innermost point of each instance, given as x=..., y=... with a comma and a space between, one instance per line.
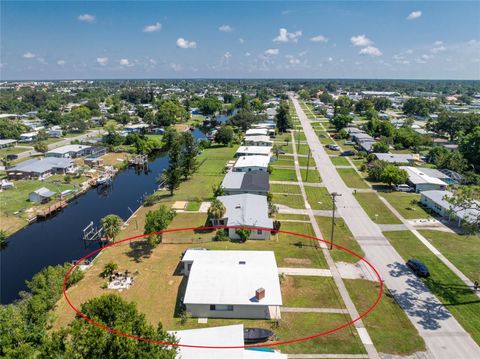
x=221, y=236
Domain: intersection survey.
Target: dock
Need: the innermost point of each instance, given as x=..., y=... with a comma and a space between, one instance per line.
x=52, y=208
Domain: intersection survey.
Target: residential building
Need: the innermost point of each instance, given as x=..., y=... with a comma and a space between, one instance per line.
x=69, y=151
x=7, y=143
x=246, y=210
x=257, y=132
x=398, y=158
x=246, y=182
x=425, y=179
x=135, y=128
x=251, y=163
x=40, y=169
x=28, y=137
x=232, y=284
x=41, y=195
x=258, y=141
x=253, y=150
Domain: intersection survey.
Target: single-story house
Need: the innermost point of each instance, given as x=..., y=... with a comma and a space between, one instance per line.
x=68, y=151
x=251, y=163
x=28, y=137
x=7, y=143
x=246, y=182
x=225, y=336
x=232, y=284
x=246, y=210
x=437, y=201
x=55, y=132
x=398, y=158
x=258, y=141
x=424, y=179
x=253, y=150
x=268, y=125
x=40, y=169
x=257, y=132
x=135, y=128
x=41, y=195
x=363, y=140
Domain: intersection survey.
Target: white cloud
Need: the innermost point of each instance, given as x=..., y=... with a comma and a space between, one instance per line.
x=414, y=15
x=330, y=59
x=29, y=55
x=409, y=51
x=285, y=36
x=438, y=49
x=287, y=12
x=86, y=18
x=152, y=61
x=125, y=62
x=248, y=54
x=61, y=62
x=102, y=61
x=438, y=43
x=371, y=51
x=153, y=28
x=361, y=40
x=241, y=40
x=185, y=44
x=226, y=57
x=225, y=28
x=176, y=67
x=271, y=52
x=42, y=60
x=427, y=57
x=292, y=60
x=319, y=38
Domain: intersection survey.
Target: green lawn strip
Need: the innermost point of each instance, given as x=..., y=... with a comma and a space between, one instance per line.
x=326, y=140
x=280, y=174
x=300, y=136
x=188, y=220
x=342, y=237
x=448, y=288
x=290, y=200
x=287, y=148
x=351, y=178
x=286, y=216
x=313, y=175
x=462, y=250
x=302, y=149
x=310, y=292
x=406, y=204
x=389, y=327
x=376, y=209
x=13, y=150
x=358, y=163
x=303, y=161
x=282, y=188
x=339, y=161
x=318, y=197
x=193, y=206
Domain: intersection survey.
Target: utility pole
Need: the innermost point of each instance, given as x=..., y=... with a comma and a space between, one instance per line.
x=298, y=140
x=308, y=164
x=334, y=195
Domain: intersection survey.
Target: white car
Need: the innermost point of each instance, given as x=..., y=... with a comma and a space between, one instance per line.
x=404, y=188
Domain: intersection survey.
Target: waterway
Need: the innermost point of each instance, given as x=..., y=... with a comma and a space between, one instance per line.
x=59, y=239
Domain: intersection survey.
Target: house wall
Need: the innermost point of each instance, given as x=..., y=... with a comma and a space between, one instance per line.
x=258, y=143
x=239, y=311
x=253, y=235
x=428, y=186
x=250, y=169
x=230, y=192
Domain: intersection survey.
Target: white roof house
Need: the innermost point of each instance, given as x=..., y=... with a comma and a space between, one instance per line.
x=257, y=132
x=397, y=157
x=251, y=163
x=226, y=336
x=68, y=151
x=249, y=210
x=258, y=140
x=423, y=180
x=225, y=284
x=7, y=143
x=253, y=150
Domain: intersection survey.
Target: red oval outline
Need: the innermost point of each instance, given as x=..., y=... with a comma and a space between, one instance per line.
x=223, y=347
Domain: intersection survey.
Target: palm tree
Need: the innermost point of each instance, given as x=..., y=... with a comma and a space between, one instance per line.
x=216, y=210
x=112, y=224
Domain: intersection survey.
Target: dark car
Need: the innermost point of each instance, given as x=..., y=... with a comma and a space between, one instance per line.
x=418, y=268
x=348, y=153
x=12, y=157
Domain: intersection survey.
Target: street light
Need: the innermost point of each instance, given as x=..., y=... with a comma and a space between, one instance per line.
x=334, y=196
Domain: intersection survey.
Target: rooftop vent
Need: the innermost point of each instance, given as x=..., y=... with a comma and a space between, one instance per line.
x=242, y=262
x=260, y=294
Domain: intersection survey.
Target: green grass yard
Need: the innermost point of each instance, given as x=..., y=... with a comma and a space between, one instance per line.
x=313, y=175
x=351, y=178
x=310, y=292
x=284, y=188
x=376, y=209
x=318, y=197
x=339, y=161
x=406, y=204
x=291, y=200
x=280, y=174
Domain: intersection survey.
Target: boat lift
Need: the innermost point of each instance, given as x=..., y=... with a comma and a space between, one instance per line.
x=92, y=233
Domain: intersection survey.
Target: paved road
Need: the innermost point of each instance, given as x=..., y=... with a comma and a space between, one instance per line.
x=63, y=142
x=443, y=335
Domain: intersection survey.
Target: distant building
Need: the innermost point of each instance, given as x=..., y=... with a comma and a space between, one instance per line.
x=69, y=151
x=28, y=137
x=246, y=182
x=40, y=169
x=7, y=143
x=136, y=128
x=425, y=179
x=257, y=132
x=398, y=158
x=41, y=195
x=253, y=150
x=258, y=141
x=251, y=163
x=232, y=284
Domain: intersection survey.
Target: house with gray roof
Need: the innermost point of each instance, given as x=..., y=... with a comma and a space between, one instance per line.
x=246, y=182
x=40, y=169
x=246, y=210
x=398, y=158
x=41, y=195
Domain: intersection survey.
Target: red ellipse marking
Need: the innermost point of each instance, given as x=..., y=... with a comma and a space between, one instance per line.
x=380, y=292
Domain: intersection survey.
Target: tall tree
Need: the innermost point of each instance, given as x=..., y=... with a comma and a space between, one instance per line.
x=225, y=135
x=467, y=199
x=157, y=221
x=393, y=175
x=216, y=210
x=283, y=120
x=111, y=224
x=173, y=174
x=189, y=162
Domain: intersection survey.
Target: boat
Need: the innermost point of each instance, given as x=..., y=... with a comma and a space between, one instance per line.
x=256, y=335
x=103, y=179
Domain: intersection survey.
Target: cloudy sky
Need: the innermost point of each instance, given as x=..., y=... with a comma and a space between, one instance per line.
x=390, y=39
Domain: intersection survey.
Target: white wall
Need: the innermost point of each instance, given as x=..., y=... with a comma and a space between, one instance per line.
x=239, y=311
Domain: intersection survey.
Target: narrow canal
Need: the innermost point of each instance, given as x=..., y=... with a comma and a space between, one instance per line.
x=59, y=239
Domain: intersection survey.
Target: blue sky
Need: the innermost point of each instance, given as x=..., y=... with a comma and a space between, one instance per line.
x=316, y=39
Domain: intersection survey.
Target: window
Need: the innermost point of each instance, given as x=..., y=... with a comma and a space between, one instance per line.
x=221, y=308
x=259, y=231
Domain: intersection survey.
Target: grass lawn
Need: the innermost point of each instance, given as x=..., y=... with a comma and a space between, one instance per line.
x=448, y=288
x=193, y=206
x=292, y=200
x=462, y=250
x=375, y=209
x=339, y=161
x=280, y=174
x=351, y=178
x=342, y=236
x=282, y=188
x=285, y=216
x=300, y=136
x=283, y=161
x=13, y=150
x=404, y=205
x=358, y=163
x=313, y=175
x=188, y=220
x=303, y=161
x=302, y=149
x=318, y=197
x=326, y=140
x=286, y=148
x=310, y=292
x=389, y=327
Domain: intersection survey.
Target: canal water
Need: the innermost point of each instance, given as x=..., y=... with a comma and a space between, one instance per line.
x=59, y=239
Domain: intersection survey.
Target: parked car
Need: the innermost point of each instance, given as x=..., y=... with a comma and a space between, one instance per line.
x=322, y=135
x=404, y=188
x=12, y=157
x=349, y=143
x=334, y=147
x=418, y=268
x=348, y=153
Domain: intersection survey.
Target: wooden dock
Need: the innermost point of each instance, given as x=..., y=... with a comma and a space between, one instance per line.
x=54, y=207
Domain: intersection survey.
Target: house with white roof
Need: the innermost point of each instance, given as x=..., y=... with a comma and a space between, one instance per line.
x=232, y=284
x=246, y=210
x=258, y=141
x=28, y=137
x=437, y=201
x=40, y=169
x=257, y=132
x=251, y=163
x=398, y=158
x=246, y=182
x=7, y=143
x=425, y=179
x=68, y=151
x=253, y=150
x=225, y=336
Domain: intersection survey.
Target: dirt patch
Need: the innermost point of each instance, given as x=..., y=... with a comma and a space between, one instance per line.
x=298, y=260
